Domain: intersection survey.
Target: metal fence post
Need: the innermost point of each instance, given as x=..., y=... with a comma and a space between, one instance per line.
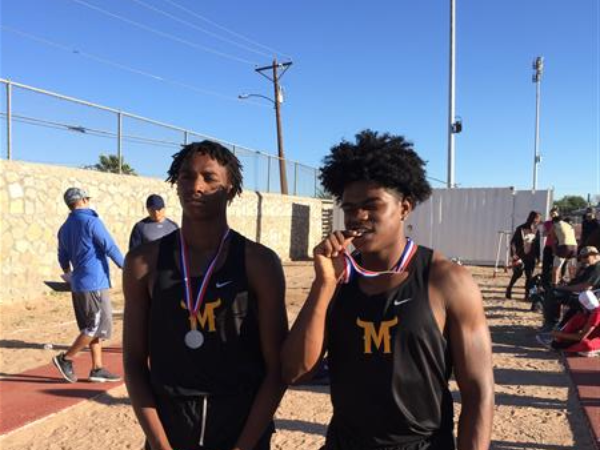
x=185, y=138
x=119, y=140
x=295, y=178
x=8, y=121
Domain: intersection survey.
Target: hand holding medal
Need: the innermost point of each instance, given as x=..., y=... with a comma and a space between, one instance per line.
x=352, y=267
x=329, y=263
x=194, y=338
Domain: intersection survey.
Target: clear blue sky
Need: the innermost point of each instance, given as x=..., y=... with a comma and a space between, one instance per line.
x=381, y=65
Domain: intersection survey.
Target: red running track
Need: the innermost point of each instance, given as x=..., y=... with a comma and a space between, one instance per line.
x=40, y=392
x=585, y=373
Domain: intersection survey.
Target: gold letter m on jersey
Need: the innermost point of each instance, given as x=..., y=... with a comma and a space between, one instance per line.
x=377, y=337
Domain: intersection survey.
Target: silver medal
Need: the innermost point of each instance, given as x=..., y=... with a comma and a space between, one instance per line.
x=194, y=339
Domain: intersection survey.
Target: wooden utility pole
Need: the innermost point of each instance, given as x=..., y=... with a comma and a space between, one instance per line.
x=275, y=77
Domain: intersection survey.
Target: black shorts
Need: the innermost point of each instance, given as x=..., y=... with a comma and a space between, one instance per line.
x=186, y=426
x=93, y=313
x=440, y=441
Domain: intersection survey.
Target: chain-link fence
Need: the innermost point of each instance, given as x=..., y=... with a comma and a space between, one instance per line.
x=46, y=127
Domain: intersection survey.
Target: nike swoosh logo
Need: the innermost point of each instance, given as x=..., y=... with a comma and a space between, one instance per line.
x=399, y=302
x=223, y=284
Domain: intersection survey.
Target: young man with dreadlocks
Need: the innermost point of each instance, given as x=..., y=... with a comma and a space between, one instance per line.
x=395, y=318
x=204, y=324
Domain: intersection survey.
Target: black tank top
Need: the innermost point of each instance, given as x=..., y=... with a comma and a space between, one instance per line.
x=230, y=361
x=389, y=367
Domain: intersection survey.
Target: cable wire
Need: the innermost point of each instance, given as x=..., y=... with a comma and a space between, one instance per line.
x=221, y=27
x=196, y=27
x=120, y=66
x=163, y=34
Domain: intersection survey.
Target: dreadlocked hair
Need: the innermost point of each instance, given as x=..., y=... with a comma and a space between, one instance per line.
x=384, y=159
x=217, y=152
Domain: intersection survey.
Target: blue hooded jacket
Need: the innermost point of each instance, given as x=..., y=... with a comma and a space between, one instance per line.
x=84, y=244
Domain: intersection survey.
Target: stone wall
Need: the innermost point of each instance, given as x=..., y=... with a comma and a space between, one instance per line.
x=32, y=210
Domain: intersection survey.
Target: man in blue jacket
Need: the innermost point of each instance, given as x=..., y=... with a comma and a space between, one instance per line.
x=83, y=247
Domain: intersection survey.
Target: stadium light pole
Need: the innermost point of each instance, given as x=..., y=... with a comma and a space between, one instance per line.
x=452, y=128
x=538, y=67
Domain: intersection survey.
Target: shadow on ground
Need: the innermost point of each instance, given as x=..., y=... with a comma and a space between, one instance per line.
x=302, y=426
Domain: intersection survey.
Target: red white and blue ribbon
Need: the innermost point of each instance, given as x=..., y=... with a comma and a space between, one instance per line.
x=187, y=284
x=352, y=267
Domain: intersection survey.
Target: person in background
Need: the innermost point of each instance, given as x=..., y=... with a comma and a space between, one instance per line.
x=153, y=227
x=565, y=248
x=83, y=247
x=589, y=278
x=525, y=252
x=548, y=252
x=581, y=333
x=589, y=225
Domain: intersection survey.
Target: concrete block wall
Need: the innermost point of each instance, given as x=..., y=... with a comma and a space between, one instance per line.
x=32, y=210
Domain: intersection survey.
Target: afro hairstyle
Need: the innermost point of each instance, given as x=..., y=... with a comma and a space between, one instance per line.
x=384, y=159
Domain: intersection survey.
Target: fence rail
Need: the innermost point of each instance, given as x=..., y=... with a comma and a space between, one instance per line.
x=261, y=171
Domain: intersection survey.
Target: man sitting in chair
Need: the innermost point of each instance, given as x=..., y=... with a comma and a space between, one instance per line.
x=565, y=295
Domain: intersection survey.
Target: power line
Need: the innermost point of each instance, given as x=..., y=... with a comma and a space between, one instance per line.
x=163, y=34
x=436, y=179
x=196, y=27
x=221, y=27
x=120, y=66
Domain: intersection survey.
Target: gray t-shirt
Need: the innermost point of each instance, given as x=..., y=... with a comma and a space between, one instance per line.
x=147, y=230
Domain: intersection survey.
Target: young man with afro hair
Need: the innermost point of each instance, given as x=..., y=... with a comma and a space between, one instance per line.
x=396, y=319
x=204, y=319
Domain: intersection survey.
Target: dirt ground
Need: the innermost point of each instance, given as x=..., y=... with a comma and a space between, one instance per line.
x=536, y=406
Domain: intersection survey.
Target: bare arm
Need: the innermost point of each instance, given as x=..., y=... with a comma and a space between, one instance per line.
x=305, y=346
x=267, y=281
x=577, y=336
x=470, y=345
x=576, y=288
x=136, y=286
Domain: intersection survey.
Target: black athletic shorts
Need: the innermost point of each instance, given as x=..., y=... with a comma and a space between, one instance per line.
x=441, y=441
x=186, y=426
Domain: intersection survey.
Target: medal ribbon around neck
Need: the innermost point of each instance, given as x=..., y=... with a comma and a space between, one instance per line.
x=193, y=308
x=351, y=266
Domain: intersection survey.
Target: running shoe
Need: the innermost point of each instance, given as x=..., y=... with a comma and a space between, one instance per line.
x=547, y=328
x=590, y=354
x=102, y=375
x=545, y=339
x=65, y=367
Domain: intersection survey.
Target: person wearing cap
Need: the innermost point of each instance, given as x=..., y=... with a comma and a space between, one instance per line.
x=153, y=227
x=84, y=246
x=589, y=278
x=581, y=334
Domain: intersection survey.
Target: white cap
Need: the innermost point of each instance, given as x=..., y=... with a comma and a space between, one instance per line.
x=588, y=300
